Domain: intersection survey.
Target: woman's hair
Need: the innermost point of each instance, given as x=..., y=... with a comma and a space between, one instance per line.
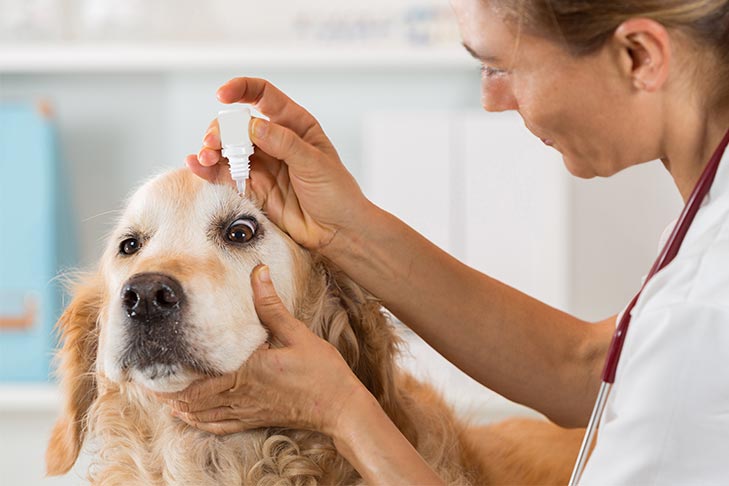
x=585, y=25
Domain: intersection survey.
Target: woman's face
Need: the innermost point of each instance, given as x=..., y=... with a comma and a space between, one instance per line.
x=582, y=106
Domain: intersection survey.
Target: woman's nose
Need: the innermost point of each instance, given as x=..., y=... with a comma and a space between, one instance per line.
x=496, y=100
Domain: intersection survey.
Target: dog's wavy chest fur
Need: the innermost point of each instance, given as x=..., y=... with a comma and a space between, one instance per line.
x=141, y=444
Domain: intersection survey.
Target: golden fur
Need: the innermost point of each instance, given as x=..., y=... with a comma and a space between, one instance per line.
x=135, y=441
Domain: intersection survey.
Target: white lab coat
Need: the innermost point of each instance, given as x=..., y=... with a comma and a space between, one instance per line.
x=667, y=418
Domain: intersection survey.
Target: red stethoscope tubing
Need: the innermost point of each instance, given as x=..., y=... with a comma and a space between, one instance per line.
x=668, y=253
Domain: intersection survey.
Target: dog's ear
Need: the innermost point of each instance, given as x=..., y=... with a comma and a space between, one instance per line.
x=353, y=321
x=77, y=327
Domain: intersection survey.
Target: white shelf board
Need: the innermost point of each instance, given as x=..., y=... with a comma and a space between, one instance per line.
x=29, y=397
x=162, y=58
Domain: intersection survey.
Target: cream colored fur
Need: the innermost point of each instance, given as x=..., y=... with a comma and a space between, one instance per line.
x=133, y=438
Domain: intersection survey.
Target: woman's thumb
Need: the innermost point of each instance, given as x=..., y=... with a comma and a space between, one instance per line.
x=271, y=311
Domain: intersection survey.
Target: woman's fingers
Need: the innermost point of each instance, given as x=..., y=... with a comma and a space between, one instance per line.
x=217, y=414
x=217, y=173
x=269, y=100
x=206, y=172
x=224, y=427
x=211, y=139
x=210, y=154
x=284, y=144
x=203, y=403
x=209, y=157
x=200, y=390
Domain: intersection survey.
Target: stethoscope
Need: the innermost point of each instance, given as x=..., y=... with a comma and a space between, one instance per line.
x=668, y=253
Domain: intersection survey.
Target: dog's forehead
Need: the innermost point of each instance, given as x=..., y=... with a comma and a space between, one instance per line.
x=180, y=195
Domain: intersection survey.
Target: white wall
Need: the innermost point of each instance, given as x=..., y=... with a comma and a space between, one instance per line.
x=615, y=227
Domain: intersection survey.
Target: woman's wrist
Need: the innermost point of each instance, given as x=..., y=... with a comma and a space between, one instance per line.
x=355, y=410
x=352, y=243
x=375, y=447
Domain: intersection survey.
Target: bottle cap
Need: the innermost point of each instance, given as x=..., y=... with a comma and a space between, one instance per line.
x=234, y=126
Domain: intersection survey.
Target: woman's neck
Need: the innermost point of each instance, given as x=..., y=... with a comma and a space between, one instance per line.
x=691, y=140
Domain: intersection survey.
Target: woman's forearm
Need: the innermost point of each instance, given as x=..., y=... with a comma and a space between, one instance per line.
x=514, y=344
x=368, y=439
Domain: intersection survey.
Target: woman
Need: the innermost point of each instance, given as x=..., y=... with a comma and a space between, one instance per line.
x=607, y=84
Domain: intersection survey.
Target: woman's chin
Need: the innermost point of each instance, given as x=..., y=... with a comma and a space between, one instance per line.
x=583, y=171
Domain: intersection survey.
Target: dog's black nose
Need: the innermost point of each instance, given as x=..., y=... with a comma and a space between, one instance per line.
x=151, y=296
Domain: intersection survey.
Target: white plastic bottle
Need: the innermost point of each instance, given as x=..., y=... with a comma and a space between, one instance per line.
x=236, y=143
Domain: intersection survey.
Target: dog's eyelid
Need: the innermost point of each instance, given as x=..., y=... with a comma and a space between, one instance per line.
x=132, y=232
x=244, y=217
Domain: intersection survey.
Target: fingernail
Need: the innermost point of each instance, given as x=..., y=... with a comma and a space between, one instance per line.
x=259, y=128
x=206, y=157
x=263, y=274
x=208, y=140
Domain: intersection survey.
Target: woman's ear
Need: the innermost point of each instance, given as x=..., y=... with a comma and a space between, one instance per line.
x=77, y=327
x=645, y=52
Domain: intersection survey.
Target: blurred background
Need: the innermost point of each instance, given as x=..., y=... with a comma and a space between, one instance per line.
x=98, y=95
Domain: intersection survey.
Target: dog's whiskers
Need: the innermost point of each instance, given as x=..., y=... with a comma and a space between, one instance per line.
x=104, y=213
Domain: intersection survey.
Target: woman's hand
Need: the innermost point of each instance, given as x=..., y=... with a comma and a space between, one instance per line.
x=295, y=172
x=306, y=384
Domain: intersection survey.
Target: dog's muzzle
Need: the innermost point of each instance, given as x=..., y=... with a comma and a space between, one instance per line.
x=154, y=304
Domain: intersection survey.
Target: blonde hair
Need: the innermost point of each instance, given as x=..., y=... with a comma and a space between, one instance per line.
x=585, y=25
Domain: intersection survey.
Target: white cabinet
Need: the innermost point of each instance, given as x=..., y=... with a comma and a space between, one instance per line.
x=478, y=185
x=515, y=206
x=408, y=170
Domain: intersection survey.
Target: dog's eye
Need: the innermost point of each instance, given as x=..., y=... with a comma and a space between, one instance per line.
x=130, y=246
x=242, y=230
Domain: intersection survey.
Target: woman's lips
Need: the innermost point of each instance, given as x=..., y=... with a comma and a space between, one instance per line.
x=547, y=141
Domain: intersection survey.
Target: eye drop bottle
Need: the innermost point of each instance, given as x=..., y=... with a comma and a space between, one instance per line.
x=236, y=143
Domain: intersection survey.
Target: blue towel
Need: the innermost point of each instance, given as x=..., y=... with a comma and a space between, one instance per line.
x=33, y=241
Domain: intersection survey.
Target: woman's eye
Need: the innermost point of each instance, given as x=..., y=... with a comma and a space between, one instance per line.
x=490, y=72
x=242, y=230
x=130, y=246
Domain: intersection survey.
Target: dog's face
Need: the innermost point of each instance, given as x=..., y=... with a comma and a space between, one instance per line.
x=176, y=271
x=172, y=302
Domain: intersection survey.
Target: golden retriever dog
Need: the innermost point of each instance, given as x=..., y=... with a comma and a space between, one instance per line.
x=171, y=302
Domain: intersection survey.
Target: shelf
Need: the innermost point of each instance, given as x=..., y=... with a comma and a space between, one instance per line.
x=29, y=397
x=162, y=58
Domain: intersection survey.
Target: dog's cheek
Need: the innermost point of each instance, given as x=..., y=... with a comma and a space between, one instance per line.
x=112, y=340
x=251, y=337
x=224, y=329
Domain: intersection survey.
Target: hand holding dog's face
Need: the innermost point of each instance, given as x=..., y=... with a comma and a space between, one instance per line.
x=284, y=387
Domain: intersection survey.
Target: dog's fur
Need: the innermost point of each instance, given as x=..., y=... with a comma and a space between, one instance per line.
x=181, y=221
